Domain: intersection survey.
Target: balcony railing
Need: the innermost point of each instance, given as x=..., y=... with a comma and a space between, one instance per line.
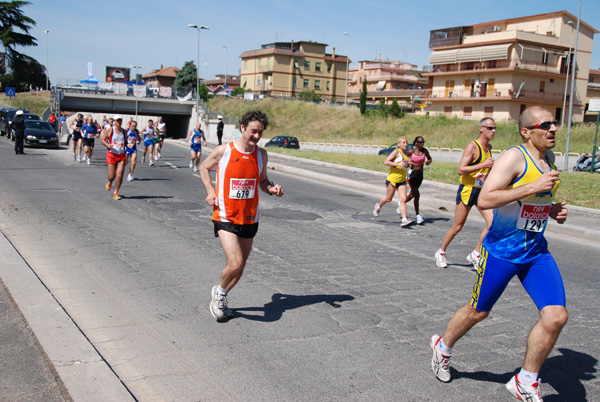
x=526, y=94
x=498, y=64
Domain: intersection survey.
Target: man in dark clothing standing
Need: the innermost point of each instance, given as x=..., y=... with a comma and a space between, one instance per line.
x=18, y=126
x=220, y=126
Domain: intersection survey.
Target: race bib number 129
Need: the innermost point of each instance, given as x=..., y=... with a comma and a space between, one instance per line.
x=242, y=189
x=533, y=217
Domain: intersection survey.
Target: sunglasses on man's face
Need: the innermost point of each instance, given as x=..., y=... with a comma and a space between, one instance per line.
x=544, y=126
x=419, y=142
x=490, y=127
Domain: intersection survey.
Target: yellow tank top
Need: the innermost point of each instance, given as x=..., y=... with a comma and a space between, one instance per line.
x=398, y=174
x=476, y=179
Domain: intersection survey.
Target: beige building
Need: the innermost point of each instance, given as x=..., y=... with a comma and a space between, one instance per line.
x=387, y=80
x=289, y=68
x=593, y=91
x=498, y=68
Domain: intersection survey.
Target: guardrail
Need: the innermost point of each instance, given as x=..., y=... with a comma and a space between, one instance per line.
x=438, y=154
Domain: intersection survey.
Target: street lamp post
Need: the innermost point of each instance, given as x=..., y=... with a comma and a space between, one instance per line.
x=225, y=84
x=562, y=118
x=198, y=64
x=347, y=69
x=47, y=32
x=566, y=166
x=136, y=78
x=205, y=72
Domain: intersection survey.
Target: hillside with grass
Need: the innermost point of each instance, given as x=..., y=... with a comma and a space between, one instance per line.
x=337, y=124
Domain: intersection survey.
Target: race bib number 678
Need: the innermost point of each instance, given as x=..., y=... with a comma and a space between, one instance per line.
x=242, y=189
x=533, y=217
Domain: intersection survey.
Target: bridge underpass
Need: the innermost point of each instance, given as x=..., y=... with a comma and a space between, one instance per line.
x=175, y=114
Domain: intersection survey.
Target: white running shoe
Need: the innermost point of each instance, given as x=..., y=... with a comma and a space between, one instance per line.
x=74, y=157
x=398, y=209
x=440, y=259
x=157, y=155
x=376, y=210
x=143, y=159
x=151, y=163
x=79, y=159
x=195, y=168
x=473, y=258
x=89, y=162
x=440, y=362
x=218, y=305
x=191, y=164
x=129, y=177
x=420, y=219
x=405, y=222
x=523, y=392
x=84, y=157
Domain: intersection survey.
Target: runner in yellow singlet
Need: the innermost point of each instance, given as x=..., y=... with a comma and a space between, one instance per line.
x=473, y=169
x=398, y=162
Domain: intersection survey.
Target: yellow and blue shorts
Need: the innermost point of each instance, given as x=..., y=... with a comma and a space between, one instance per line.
x=468, y=195
x=540, y=278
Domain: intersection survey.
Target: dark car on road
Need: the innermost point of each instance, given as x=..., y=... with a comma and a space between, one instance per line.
x=283, y=141
x=388, y=150
x=40, y=133
x=26, y=116
x=6, y=115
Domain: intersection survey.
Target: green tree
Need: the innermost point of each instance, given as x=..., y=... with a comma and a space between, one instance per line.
x=363, y=98
x=187, y=77
x=309, y=96
x=238, y=91
x=395, y=110
x=13, y=20
x=203, y=92
x=25, y=71
x=382, y=109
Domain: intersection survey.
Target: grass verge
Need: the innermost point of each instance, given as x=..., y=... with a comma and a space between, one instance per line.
x=579, y=188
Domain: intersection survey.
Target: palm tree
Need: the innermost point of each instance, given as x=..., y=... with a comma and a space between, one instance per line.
x=12, y=18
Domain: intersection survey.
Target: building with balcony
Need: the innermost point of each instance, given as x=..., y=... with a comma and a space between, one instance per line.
x=387, y=80
x=499, y=68
x=289, y=68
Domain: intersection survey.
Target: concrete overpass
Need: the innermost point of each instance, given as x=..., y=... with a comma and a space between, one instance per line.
x=175, y=113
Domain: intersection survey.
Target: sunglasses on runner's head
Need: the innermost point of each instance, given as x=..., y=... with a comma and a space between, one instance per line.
x=544, y=126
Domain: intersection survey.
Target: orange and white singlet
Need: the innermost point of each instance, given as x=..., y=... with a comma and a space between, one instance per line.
x=238, y=175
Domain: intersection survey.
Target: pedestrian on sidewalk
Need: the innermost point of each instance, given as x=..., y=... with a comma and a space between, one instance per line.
x=398, y=161
x=241, y=172
x=113, y=138
x=520, y=189
x=419, y=156
x=473, y=168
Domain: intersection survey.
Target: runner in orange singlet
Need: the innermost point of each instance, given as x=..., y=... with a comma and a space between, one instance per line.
x=241, y=172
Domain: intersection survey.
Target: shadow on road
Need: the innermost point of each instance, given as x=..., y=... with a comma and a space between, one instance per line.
x=280, y=303
x=563, y=373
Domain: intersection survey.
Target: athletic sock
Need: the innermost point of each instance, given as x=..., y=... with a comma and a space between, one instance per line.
x=221, y=291
x=446, y=351
x=476, y=253
x=527, y=377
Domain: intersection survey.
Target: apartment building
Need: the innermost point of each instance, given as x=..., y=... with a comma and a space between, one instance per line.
x=218, y=84
x=499, y=68
x=289, y=68
x=387, y=80
x=163, y=77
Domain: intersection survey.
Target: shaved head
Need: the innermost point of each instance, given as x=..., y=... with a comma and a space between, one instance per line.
x=530, y=116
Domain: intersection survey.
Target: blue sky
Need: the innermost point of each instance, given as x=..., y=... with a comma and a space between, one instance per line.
x=155, y=33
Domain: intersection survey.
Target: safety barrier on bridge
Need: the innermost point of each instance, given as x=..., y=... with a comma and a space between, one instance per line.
x=439, y=154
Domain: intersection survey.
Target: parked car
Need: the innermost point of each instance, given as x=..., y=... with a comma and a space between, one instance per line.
x=26, y=116
x=40, y=133
x=6, y=115
x=283, y=141
x=388, y=150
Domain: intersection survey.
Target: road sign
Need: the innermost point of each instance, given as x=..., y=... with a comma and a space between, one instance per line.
x=594, y=105
x=10, y=91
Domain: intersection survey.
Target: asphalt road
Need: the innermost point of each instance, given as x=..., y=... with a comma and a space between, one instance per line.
x=335, y=305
